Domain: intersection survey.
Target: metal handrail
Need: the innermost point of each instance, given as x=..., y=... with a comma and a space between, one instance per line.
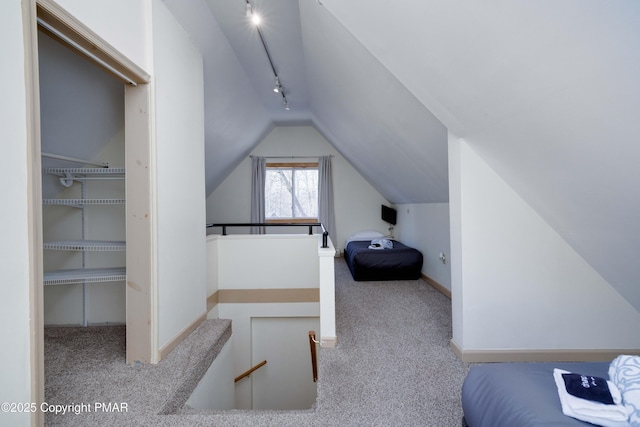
x=314, y=359
x=250, y=371
x=325, y=233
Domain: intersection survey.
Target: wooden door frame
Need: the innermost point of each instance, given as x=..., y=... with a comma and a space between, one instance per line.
x=141, y=258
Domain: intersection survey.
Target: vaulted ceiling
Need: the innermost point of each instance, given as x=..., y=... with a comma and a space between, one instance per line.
x=331, y=81
x=547, y=92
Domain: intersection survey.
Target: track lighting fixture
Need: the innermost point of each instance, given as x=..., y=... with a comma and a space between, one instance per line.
x=254, y=17
x=278, y=87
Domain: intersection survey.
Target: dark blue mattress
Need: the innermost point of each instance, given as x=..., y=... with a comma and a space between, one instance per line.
x=520, y=394
x=399, y=263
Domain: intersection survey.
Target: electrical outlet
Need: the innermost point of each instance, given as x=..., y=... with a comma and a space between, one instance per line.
x=443, y=257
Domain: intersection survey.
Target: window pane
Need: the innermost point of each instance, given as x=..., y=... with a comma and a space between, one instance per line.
x=277, y=194
x=306, y=192
x=291, y=193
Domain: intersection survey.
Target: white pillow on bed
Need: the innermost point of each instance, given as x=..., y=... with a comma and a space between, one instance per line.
x=365, y=235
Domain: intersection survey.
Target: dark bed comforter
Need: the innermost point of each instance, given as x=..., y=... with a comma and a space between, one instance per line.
x=520, y=394
x=400, y=263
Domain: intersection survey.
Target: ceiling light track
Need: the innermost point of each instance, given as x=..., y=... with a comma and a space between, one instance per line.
x=278, y=88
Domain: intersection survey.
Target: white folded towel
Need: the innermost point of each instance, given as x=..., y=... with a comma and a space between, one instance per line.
x=601, y=414
x=381, y=244
x=624, y=372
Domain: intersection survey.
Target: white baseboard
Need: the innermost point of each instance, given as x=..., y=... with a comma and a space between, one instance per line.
x=439, y=287
x=543, y=355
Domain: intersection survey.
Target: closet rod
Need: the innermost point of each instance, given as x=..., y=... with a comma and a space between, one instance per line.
x=81, y=49
x=94, y=178
x=73, y=159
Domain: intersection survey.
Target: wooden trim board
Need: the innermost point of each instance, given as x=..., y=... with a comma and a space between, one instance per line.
x=34, y=211
x=83, y=36
x=141, y=256
x=212, y=300
x=441, y=288
x=262, y=296
x=168, y=347
x=244, y=296
x=328, y=342
x=533, y=355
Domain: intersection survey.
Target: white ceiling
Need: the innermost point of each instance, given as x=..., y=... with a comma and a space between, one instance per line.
x=547, y=92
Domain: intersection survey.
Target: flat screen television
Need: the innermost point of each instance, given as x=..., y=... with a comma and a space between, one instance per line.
x=389, y=215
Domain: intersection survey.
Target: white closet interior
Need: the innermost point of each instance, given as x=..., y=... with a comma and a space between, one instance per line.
x=84, y=233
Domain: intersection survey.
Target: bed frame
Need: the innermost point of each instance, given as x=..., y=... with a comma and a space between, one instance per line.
x=400, y=263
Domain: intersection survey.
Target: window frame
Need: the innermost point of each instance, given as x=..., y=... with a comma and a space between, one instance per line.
x=292, y=165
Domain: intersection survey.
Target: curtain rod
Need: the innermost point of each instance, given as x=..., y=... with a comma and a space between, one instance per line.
x=288, y=157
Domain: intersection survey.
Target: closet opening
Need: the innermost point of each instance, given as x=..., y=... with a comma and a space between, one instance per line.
x=109, y=122
x=83, y=189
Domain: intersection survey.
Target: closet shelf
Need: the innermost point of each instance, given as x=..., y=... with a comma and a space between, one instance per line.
x=82, y=202
x=89, y=275
x=87, y=245
x=80, y=178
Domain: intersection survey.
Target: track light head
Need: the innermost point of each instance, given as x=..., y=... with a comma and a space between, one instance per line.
x=278, y=87
x=254, y=17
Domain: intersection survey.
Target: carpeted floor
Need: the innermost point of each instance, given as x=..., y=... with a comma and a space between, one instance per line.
x=393, y=367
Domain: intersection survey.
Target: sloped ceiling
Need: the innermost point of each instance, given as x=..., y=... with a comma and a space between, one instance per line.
x=546, y=91
x=235, y=116
x=331, y=82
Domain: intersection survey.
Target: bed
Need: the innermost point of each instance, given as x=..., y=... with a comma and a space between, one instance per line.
x=400, y=262
x=525, y=394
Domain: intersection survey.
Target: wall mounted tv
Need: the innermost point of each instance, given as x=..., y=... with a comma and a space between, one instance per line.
x=389, y=215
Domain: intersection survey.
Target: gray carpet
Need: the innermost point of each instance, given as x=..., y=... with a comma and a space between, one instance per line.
x=393, y=367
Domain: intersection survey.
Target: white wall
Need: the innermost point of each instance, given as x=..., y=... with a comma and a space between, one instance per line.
x=267, y=261
x=519, y=285
x=547, y=94
x=357, y=203
x=179, y=107
x=425, y=226
x=127, y=32
x=216, y=388
x=15, y=375
x=248, y=262
x=122, y=23
x=286, y=381
x=455, y=259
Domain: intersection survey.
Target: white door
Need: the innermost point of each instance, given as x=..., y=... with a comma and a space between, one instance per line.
x=286, y=381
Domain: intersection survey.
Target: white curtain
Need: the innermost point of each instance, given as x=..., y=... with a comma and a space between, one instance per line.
x=325, y=196
x=258, y=173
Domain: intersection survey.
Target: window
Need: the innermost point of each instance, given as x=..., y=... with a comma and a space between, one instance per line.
x=291, y=192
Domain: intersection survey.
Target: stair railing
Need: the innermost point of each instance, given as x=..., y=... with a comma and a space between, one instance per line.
x=309, y=225
x=314, y=359
x=250, y=371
